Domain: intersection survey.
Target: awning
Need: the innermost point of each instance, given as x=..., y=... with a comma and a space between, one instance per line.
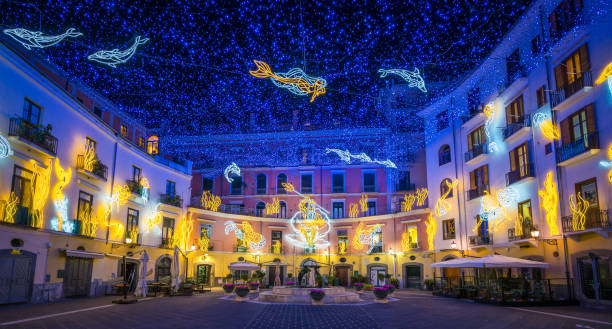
x=243, y=266
x=492, y=261
x=82, y=254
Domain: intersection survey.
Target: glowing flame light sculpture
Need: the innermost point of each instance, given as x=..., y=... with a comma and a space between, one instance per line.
x=255, y=240
x=549, y=200
x=310, y=224
x=366, y=236
x=579, y=207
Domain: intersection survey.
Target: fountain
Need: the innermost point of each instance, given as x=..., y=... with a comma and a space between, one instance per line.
x=284, y=294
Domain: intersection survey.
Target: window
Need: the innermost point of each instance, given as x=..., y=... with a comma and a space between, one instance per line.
x=588, y=190
x=170, y=188
x=571, y=69
x=338, y=209
x=97, y=111
x=483, y=229
x=564, y=17
x=277, y=242
x=448, y=229
x=541, y=96
x=479, y=182
x=520, y=162
x=548, y=148
x=236, y=186
x=371, y=208
x=206, y=230
x=84, y=209
x=513, y=65
x=131, y=230
x=280, y=179
x=167, y=231
x=282, y=210
x=369, y=182
x=445, y=185
x=404, y=181
x=123, y=131
x=477, y=138
x=90, y=144
x=378, y=244
x=306, y=183
x=31, y=112
x=207, y=184
x=413, y=239
x=262, y=184
x=595, y=272
x=442, y=121
x=337, y=182
x=515, y=112
x=444, y=155
x=22, y=187
x=260, y=207
x=153, y=145
x=136, y=172
x=342, y=241
x=163, y=269
x=536, y=45
x=579, y=126
x=141, y=142
x=524, y=214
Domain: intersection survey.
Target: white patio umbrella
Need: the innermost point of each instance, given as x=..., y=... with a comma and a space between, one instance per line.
x=141, y=290
x=453, y=263
x=492, y=261
x=175, y=269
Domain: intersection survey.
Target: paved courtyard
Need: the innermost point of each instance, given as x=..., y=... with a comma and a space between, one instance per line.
x=413, y=309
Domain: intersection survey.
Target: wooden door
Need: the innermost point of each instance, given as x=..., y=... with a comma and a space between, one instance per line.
x=413, y=276
x=77, y=276
x=342, y=272
x=16, y=276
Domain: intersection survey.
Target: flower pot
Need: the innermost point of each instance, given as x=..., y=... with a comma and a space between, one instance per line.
x=317, y=296
x=390, y=288
x=228, y=288
x=242, y=292
x=381, y=293
x=358, y=286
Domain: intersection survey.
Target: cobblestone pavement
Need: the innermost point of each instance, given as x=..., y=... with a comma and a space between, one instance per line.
x=413, y=309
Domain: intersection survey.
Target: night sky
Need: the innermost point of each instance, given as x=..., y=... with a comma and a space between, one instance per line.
x=192, y=77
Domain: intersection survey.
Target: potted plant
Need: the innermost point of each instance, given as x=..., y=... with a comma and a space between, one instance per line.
x=331, y=281
x=358, y=286
x=429, y=283
x=241, y=293
x=229, y=277
x=187, y=287
x=317, y=296
x=381, y=294
x=368, y=287
x=394, y=282
x=228, y=288
x=253, y=286
x=390, y=288
x=244, y=277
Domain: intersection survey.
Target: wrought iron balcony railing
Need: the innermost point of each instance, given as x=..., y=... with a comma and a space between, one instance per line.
x=35, y=134
x=563, y=93
x=97, y=168
x=476, y=151
x=481, y=240
x=594, y=218
x=520, y=173
x=511, y=128
x=477, y=192
x=577, y=147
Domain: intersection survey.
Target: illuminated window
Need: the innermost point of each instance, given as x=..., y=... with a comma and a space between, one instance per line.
x=448, y=229
x=153, y=145
x=91, y=144
x=277, y=241
x=479, y=182
x=444, y=155
x=123, y=131
x=280, y=179
x=515, y=111
x=520, y=166
x=413, y=238
x=476, y=138
x=262, y=182
x=132, y=221
x=167, y=230
x=141, y=142
x=445, y=186
x=571, y=69
x=342, y=241
x=84, y=207
x=206, y=230
x=378, y=246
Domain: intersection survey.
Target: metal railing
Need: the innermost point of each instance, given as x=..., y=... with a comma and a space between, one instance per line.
x=261, y=190
x=472, y=112
x=34, y=134
x=134, y=186
x=477, y=192
x=172, y=200
x=476, y=151
x=405, y=187
x=577, y=147
x=526, y=234
x=564, y=92
x=511, y=128
x=99, y=169
x=594, y=218
x=480, y=240
x=519, y=174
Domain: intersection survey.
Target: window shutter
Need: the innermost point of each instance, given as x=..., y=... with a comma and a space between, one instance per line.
x=583, y=52
x=509, y=114
x=512, y=160
x=565, y=132
x=486, y=175
x=560, y=76
x=520, y=111
x=590, y=116
x=472, y=180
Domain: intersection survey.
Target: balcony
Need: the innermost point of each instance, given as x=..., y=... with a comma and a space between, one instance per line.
x=412, y=246
x=306, y=190
x=338, y=189
x=578, y=150
x=564, y=93
x=596, y=220
x=134, y=186
x=515, y=73
x=97, y=168
x=475, y=113
x=171, y=200
x=167, y=243
x=525, y=237
x=520, y=174
x=237, y=248
x=279, y=251
x=515, y=130
x=477, y=241
x=34, y=135
x=477, y=152
x=377, y=250
x=477, y=192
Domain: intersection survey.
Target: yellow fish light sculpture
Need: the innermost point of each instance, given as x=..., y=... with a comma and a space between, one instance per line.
x=296, y=81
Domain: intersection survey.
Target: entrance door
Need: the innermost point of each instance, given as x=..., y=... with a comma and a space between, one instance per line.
x=77, y=276
x=203, y=274
x=16, y=276
x=132, y=274
x=374, y=271
x=413, y=276
x=342, y=273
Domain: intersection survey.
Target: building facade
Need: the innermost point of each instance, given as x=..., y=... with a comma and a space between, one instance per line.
x=523, y=137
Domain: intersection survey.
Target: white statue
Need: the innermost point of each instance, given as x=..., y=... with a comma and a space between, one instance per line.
x=311, y=277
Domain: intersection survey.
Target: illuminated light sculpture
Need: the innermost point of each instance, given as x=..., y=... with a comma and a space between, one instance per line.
x=210, y=201
x=346, y=157
x=407, y=241
x=363, y=202
x=548, y=129
x=430, y=228
x=508, y=196
x=182, y=233
x=342, y=247
x=295, y=81
x=152, y=217
x=549, y=200
x=408, y=202
x=353, y=210
x=421, y=196
x=255, y=240
x=39, y=189
x=89, y=224
x=10, y=208
x=231, y=169
x=60, y=201
x=5, y=148
x=273, y=207
x=144, y=190
x=606, y=74
x=442, y=206
x=310, y=224
x=366, y=236
x=492, y=211
x=289, y=188
x=579, y=207
x=116, y=56
x=276, y=247
x=204, y=243
x=413, y=78
x=30, y=39
x=489, y=112
x=89, y=158
x=608, y=164
x=116, y=230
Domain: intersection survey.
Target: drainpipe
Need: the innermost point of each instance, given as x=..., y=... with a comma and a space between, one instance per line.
x=111, y=191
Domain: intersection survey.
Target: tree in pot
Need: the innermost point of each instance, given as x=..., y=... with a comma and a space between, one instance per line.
x=244, y=277
x=242, y=292
x=229, y=277
x=228, y=287
x=394, y=282
x=381, y=294
x=429, y=283
x=317, y=296
x=390, y=288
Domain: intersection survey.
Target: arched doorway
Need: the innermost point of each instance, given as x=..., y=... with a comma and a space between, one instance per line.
x=163, y=269
x=413, y=275
x=374, y=270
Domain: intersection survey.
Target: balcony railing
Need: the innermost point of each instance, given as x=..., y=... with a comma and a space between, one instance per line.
x=519, y=174
x=134, y=186
x=405, y=187
x=273, y=251
x=476, y=151
x=172, y=200
x=481, y=240
x=595, y=218
x=34, y=134
x=516, y=72
x=472, y=112
x=512, y=236
x=563, y=93
x=166, y=243
x=338, y=189
x=377, y=250
x=369, y=188
x=577, y=147
x=98, y=168
x=413, y=245
x=306, y=190
x=511, y=128
x=236, y=248
x=477, y=192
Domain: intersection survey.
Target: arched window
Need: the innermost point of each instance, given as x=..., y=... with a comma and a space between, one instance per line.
x=444, y=186
x=282, y=210
x=162, y=270
x=280, y=179
x=259, y=209
x=262, y=183
x=444, y=155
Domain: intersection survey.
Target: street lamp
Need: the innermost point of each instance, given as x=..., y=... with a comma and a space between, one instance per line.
x=535, y=233
x=453, y=245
